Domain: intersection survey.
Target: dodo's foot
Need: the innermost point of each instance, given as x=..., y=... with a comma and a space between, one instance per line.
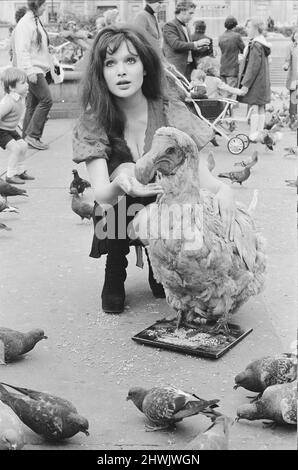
x=220, y=328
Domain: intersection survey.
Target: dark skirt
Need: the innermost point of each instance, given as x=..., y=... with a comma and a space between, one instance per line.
x=113, y=223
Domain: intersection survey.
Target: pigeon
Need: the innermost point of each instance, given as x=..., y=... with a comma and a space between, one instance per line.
x=79, y=206
x=7, y=189
x=237, y=176
x=210, y=162
x=165, y=406
x=4, y=207
x=292, y=151
x=52, y=417
x=16, y=343
x=216, y=437
x=11, y=429
x=292, y=183
x=275, y=119
x=79, y=183
x=4, y=227
x=269, y=138
x=278, y=404
x=249, y=162
x=267, y=371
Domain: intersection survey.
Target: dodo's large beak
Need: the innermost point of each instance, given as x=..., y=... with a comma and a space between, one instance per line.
x=144, y=170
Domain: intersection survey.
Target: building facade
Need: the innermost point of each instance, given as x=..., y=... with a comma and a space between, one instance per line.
x=212, y=11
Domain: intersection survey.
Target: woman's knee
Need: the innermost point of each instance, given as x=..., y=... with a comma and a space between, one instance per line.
x=46, y=102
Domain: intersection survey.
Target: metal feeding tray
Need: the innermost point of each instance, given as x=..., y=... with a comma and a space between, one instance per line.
x=196, y=340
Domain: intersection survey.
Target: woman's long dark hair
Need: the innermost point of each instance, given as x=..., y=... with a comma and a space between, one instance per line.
x=95, y=92
x=34, y=5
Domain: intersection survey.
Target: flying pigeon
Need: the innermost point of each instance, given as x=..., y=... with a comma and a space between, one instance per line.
x=52, y=417
x=267, y=371
x=249, y=162
x=14, y=343
x=165, y=406
x=79, y=183
x=11, y=429
x=278, y=404
x=7, y=189
x=216, y=437
x=80, y=207
x=237, y=176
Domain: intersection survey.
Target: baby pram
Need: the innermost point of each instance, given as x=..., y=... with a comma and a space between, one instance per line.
x=214, y=112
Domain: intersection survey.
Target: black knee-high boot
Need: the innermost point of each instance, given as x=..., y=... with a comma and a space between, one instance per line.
x=113, y=292
x=156, y=287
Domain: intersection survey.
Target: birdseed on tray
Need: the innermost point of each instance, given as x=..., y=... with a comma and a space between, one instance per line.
x=181, y=337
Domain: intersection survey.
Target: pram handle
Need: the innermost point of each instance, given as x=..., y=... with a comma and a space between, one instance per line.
x=223, y=100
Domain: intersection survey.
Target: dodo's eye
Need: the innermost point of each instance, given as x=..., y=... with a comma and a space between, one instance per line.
x=170, y=150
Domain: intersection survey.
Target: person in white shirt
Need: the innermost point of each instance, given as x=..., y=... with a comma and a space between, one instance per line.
x=12, y=107
x=32, y=55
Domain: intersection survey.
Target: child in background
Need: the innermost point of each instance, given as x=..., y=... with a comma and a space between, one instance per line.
x=12, y=108
x=216, y=88
x=198, y=89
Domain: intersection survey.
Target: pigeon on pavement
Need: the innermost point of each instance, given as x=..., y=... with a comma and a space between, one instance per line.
x=4, y=207
x=79, y=206
x=11, y=429
x=7, y=189
x=291, y=151
x=269, y=370
x=79, y=183
x=4, y=227
x=278, y=404
x=16, y=343
x=52, y=417
x=250, y=162
x=216, y=437
x=237, y=176
x=165, y=406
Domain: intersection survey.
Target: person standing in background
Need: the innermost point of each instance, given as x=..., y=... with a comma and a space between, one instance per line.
x=290, y=66
x=32, y=56
x=147, y=22
x=12, y=53
x=255, y=77
x=177, y=46
x=204, y=51
x=231, y=45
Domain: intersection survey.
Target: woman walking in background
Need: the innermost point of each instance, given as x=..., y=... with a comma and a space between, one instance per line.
x=290, y=66
x=32, y=55
x=254, y=76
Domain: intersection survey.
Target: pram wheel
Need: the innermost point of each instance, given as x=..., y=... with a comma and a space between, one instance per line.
x=236, y=145
x=245, y=139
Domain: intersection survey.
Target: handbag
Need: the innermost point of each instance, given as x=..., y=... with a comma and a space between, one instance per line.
x=56, y=70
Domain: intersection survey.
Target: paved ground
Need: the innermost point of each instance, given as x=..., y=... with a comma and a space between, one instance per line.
x=47, y=280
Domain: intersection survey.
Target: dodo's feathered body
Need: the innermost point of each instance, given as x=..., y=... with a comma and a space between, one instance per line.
x=204, y=276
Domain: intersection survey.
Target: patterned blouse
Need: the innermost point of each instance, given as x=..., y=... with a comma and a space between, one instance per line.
x=90, y=141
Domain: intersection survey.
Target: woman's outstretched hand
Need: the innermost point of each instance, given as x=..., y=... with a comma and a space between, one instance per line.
x=132, y=187
x=224, y=204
